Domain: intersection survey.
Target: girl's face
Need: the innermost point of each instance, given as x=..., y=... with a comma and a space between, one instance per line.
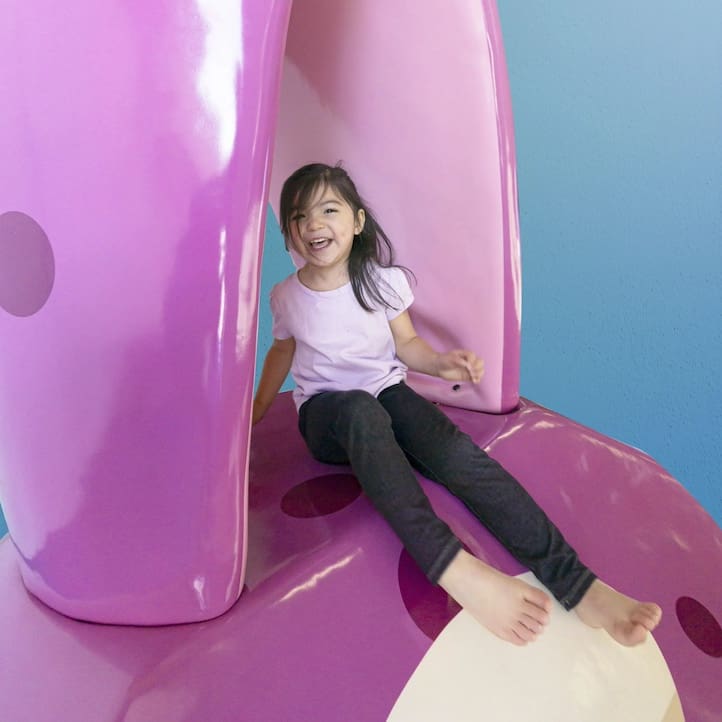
x=322, y=233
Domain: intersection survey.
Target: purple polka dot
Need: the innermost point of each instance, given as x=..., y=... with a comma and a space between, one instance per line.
x=700, y=626
x=429, y=606
x=321, y=496
x=27, y=265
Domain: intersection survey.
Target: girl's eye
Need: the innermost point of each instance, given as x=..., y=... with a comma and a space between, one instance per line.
x=297, y=217
x=330, y=210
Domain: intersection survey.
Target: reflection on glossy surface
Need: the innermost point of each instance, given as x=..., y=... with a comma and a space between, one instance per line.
x=142, y=150
x=428, y=137
x=135, y=380
x=324, y=630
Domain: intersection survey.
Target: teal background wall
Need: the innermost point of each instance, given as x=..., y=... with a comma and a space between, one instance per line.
x=618, y=115
x=618, y=118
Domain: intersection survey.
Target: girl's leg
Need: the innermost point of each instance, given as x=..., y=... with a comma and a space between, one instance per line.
x=351, y=427
x=440, y=451
x=443, y=453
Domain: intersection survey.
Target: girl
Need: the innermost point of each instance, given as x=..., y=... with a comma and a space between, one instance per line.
x=341, y=326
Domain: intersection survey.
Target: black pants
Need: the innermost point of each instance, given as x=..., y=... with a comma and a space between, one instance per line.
x=381, y=438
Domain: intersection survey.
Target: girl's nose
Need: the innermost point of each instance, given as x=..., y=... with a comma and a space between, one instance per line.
x=314, y=222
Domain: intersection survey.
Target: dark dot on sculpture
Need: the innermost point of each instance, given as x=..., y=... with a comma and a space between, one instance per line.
x=700, y=626
x=321, y=496
x=429, y=606
x=27, y=264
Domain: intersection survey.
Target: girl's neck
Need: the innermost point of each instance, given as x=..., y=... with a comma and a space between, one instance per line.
x=318, y=279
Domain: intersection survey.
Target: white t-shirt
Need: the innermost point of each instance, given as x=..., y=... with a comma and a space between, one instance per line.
x=339, y=345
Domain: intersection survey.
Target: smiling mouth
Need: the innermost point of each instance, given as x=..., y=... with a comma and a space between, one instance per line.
x=319, y=243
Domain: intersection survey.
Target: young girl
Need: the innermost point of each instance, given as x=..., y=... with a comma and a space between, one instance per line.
x=341, y=326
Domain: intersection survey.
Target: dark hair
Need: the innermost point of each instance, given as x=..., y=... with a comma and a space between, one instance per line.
x=370, y=248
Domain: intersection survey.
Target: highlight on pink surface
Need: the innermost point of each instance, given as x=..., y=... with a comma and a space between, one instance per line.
x=145, y=345
x=133, y=192
x=137, y=165
x=436, y=159
x=332, y=596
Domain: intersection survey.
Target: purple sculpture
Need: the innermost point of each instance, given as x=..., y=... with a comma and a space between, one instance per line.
x=139, y=144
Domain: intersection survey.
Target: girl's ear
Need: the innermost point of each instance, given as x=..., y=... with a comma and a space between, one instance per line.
x=360, y=221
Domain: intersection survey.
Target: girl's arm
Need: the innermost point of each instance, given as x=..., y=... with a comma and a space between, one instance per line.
x=275, y=369
x=456, y=365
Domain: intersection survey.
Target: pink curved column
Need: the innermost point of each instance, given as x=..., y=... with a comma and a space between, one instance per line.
x=136, y=145
x=136, y=170
x=414, y=99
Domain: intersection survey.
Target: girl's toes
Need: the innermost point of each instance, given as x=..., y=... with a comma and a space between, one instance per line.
x=533, y=624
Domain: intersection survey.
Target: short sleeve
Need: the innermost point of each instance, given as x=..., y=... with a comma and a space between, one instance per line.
x=400, y=296
x=279, y=328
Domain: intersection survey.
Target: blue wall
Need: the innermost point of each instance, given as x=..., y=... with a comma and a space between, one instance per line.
x=618, y=115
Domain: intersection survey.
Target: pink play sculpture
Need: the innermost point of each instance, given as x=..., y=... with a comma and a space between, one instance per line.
x=128, y=391
x=141, y=146
x=139, y=143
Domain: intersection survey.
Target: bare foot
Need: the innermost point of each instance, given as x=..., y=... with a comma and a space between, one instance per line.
x=508, y=607
x=625, y=619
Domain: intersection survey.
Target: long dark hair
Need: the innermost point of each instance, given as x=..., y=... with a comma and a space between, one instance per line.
x=370, y=248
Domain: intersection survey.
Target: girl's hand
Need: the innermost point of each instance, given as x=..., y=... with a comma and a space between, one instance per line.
x=460, y=365
x=457, y=365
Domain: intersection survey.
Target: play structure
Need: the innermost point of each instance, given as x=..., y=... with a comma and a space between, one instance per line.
x=166, y=564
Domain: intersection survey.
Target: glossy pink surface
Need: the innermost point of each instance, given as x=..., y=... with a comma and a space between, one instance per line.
x=137, y=137
x=416, y=104
x=332, y=622
x=126, y=394
x=136, y=150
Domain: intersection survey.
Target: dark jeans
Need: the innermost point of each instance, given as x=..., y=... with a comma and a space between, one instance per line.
x=382, y=438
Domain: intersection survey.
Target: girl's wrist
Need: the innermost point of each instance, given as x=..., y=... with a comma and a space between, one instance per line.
x=438, y=367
